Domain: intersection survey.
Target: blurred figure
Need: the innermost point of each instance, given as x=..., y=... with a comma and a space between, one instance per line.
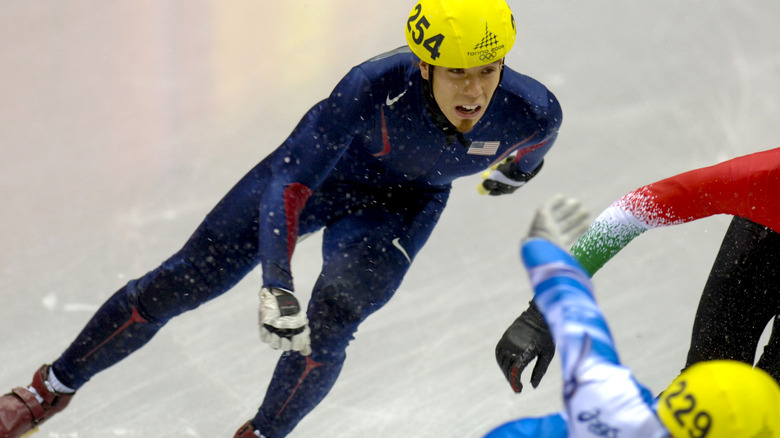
x=715, y=399
x=742, y=294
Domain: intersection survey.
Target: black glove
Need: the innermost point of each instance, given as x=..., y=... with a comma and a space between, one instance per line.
x=527, y=338
x=505, y=177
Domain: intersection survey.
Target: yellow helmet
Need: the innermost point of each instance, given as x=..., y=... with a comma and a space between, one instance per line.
x=460, y=33
x=721, y=399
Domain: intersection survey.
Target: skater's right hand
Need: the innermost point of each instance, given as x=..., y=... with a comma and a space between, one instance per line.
x=528, y=338
x=283, y=324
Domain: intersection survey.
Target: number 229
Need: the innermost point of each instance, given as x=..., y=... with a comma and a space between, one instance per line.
x=700, y=425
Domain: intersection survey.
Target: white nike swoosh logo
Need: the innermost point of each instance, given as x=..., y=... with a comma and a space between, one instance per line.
x=390, y=101
x=397, y=244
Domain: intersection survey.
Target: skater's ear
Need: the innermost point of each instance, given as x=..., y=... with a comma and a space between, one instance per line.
x=425, y=70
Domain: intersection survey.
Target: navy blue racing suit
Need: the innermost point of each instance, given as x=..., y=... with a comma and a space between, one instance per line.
x=372, y=165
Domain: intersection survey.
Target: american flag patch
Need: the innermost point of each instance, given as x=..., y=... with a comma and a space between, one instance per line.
x=483, y=147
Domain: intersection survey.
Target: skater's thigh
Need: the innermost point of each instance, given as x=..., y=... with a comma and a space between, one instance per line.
x=222, y=250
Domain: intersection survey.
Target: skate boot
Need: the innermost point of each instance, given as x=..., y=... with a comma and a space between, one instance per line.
x=247, y=431
x=21, y=412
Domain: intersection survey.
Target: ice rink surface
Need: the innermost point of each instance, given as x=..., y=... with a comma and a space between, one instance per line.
x=122, y=123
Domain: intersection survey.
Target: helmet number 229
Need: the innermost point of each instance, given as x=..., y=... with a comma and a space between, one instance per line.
x=421, y=23
x=686, y=413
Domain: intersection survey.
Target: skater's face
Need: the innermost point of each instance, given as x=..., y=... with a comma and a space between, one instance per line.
x=463, y=94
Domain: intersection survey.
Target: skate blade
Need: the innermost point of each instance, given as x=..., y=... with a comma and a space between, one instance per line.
x=29, y=433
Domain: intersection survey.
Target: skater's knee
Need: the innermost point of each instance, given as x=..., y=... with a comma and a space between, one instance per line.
x=338, y=304
x=335, y=312
x=173, y=288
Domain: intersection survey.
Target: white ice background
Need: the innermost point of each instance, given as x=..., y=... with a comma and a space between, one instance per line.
x=123, y=123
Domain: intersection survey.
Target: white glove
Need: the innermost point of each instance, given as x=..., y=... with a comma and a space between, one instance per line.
x=283, y=324
x=560, y=220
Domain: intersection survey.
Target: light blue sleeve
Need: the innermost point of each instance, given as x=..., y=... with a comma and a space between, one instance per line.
x=563, y=291
x=599, y=392
x=550, y=426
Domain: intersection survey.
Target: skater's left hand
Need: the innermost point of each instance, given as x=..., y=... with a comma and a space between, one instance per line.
x=283, y=324
x=504, y=178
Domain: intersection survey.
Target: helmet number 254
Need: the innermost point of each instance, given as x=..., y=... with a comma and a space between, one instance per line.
x=421, y=23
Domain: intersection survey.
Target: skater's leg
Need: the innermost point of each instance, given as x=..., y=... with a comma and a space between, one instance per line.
x=366, y=257
x=740, y=296
x=221, y=251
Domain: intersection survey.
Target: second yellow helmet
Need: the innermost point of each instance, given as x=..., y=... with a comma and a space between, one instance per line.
x=721, y=399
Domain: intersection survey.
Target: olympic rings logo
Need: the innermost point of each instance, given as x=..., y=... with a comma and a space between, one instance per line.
x=487, y=56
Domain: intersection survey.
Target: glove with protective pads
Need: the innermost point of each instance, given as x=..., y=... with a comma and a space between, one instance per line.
x=504, y=178
x=528, y=338
x=283, y=324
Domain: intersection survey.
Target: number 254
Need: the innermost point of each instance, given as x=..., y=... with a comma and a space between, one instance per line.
x=432, y=44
